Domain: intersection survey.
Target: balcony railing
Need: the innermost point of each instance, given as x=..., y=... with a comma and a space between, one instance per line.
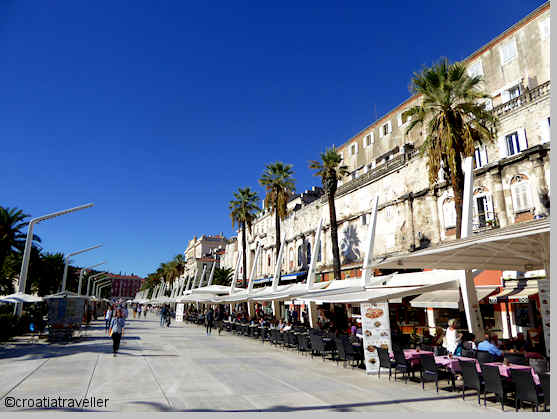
x=530, y=95
x=484, y=221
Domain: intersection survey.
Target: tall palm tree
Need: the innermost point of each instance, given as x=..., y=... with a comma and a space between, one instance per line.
x=454, y=113
x=12, y=237
x=223, y=276
x=331, y=170
x=243, y=210
x=277, y=180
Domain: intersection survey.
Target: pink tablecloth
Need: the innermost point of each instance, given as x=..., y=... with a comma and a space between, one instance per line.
x=412, y=354
x=452, y=363
x=504, y=370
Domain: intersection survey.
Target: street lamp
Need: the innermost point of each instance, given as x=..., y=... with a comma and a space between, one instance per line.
x=99, y=290
x=96, y=284
x=93, y=277
x=29, y=242
x=67, y=260
x=81, y=275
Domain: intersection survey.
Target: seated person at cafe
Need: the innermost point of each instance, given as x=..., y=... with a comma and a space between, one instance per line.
x=438, y=338
x=287, y=327
x=486, y=345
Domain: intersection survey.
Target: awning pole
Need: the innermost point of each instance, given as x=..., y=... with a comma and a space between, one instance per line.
x=367, y=270
x=316, y=246
x=236, y=272
x=467, y=286
x=278, y=266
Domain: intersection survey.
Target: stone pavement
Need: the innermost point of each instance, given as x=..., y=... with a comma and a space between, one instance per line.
x=181, y=369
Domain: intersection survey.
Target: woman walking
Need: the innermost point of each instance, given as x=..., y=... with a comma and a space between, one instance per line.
x=209, y=317
x=116, y=331
x=107, y=319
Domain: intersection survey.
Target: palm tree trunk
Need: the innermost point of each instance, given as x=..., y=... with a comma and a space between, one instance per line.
x=277, y=230
x=457, y=181
x=244, y=253
x=334, y=236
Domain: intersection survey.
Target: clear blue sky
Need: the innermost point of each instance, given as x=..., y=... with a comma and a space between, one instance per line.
x=157, y=111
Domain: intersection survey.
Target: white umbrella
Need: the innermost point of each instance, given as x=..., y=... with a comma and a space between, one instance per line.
x=20, y=297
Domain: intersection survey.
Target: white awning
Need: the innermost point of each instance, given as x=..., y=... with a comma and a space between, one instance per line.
x=20, y=297
x=211, y=289
x=513, y=295
x=446, y=298
x=515, y=248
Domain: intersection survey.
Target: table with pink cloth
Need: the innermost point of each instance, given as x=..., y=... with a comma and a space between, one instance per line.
x=504, y=370
x=413, y=355
x=452, y=363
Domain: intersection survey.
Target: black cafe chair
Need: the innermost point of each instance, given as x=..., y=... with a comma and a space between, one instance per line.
x=516, y=358
x=544, y=381
x=402, y=364
x=384, y=361
x=469, y=353
x=485, y=357
x=352, y=353
x=495, y=384
x=429, y=371
x=341, y=354
x=470, y=378
x=525, y=389
x=539, y=365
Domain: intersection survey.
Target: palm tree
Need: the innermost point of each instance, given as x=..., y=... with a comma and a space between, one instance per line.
x=277, y=180
x=454, y=112
x=223, y=276
x=243, y=210
x=12, y=237
x=331, y=170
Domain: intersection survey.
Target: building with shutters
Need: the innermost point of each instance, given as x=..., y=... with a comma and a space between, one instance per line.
x=125, y=286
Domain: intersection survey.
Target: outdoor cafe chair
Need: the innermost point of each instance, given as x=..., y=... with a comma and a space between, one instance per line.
x=402, y=364
x=544, y=381
x=469, y=353
x=485, y=357
x=302, y=343
x=429, y=371
x=471, y=379
x=539, y=365
x=319, y=348
x=275, y=336
x=525, y=389
x=384, y=361
x=516, y=358
x=439, y=351
x=341, y=353
x=351, y=352
x=291, y=341
x=494, y=383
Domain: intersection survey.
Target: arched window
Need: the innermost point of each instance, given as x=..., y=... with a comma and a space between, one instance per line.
x=269, y=261
x=449, y=213
x=300, y=255
x=291, y=259
x=520, y=192
x=308, y=253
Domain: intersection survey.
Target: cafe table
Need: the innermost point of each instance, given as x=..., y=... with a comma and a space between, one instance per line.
x=505, y=370
x=452, y=366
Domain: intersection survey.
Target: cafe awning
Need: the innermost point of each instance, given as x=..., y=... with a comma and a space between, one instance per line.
x=513, y=295
x=446, y=298
x=519, y=247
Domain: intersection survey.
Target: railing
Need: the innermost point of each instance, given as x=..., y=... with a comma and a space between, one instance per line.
x=528, y=96
x=485, y=221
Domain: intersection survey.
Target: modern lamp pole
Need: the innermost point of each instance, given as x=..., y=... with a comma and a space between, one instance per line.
x=97, y=282
x=93, y=277
x=81, y=275
x=28, y=244
x=67, y=260
x=99, y=290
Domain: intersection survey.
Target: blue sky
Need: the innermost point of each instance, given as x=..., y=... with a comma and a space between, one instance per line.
x=158, y=111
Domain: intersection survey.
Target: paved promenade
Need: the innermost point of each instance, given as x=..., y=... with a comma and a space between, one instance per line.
x=182, y=369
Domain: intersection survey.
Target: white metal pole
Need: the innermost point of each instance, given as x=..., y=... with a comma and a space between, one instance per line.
x=236, y=272
x=276, y=278
x=99, y=285
x=101, y=288
x=202, y=276
x=311, y=271
x=367, y=270
x=253, y=268
x=81, y=275
x=96, y=283
x=212, y=274
x=28, y=245
x=67, y=260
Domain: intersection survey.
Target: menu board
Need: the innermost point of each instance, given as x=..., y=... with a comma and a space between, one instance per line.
x=180, y=312
x=376, y=331
x=543, y=287
x=65, y=312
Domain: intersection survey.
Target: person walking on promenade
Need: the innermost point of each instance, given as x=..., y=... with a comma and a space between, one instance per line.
x=145, y=312
x=117, y=330
x=138, y=312
x=107, y=319
x=220, y=317
x=134, y=311
x=209, y=318
x=163, y=315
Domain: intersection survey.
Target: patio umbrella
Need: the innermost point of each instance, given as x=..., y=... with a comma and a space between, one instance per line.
x=20, y=297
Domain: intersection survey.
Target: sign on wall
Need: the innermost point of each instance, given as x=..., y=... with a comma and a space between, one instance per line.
x=376, y=331
x=180, y=312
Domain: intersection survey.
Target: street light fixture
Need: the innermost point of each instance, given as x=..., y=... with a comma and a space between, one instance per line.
x=81, y=275
x=93, y=277
x=29, y=242
x=67, y=260
x=99, y=291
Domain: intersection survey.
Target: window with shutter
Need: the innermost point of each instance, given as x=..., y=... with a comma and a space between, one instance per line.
x=545, y=28
x=521, y=196
x=449, y=213
x=476, y=69
x=507, y=51
x=513, y=144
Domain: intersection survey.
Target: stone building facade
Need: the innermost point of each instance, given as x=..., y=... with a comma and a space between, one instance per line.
x=203, y=252
x=511, y=178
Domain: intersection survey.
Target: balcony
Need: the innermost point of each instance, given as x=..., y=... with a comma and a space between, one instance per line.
x=529, y=96
x=484, y=221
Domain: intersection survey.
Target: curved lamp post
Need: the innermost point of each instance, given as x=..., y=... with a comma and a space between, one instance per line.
x=97, y=283
x=29, y=242
x=67, y=260
x=92, y=277
x=81, y=275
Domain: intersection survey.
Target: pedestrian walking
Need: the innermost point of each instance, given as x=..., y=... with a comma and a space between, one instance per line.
x=209, y=318
x=145, y=312
x=163, y=315
x=138, y=312
x=107, y=319
x=117, y=330
x=220, y=317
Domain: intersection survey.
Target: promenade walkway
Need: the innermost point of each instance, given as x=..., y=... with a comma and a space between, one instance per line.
x=181, y=369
